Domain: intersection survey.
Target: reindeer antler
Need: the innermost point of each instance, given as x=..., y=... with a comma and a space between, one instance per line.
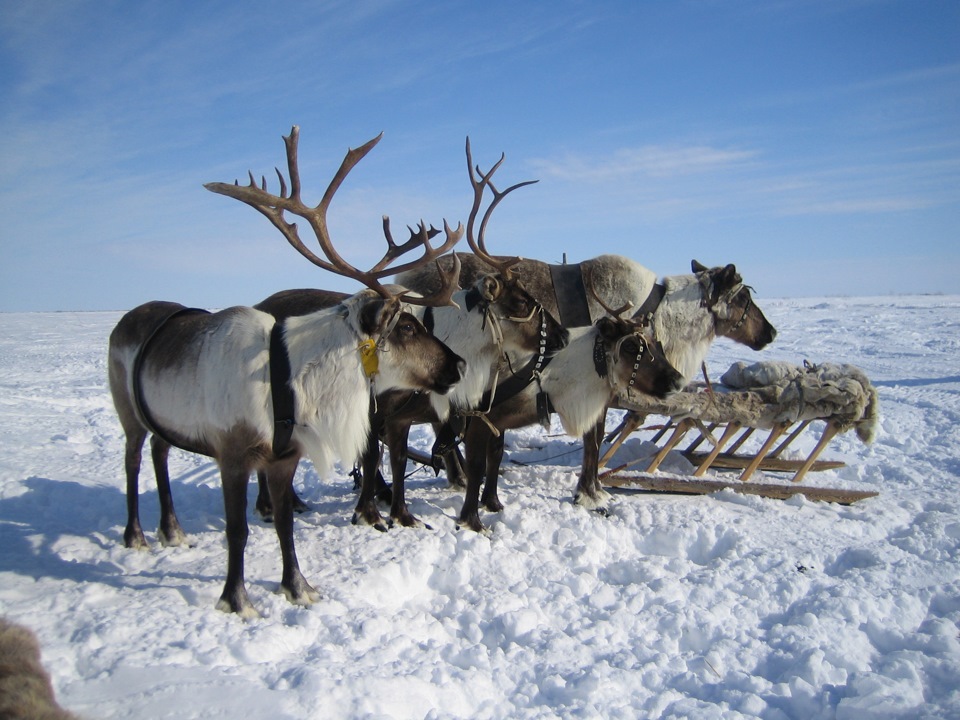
x=479, y=182
x=274, y=206
x=618, y=314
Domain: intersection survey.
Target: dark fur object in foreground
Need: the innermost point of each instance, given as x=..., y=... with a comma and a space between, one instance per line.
x=25, y=689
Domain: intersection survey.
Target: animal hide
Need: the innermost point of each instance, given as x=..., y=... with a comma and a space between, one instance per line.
x=25, y=689
x=764, y=394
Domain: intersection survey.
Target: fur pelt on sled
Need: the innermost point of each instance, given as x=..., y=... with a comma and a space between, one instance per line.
x=25, y=689
x=764, y=394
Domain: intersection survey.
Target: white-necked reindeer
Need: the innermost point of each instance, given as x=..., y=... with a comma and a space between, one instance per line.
x=493, y=324
x=687, y=313
x=256, y=394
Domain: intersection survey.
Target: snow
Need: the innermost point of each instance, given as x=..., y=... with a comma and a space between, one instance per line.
x=725, y=606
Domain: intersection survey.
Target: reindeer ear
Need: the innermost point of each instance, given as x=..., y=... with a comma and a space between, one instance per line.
x=377, y=314
x=490, y=287
x=697, y=267
x=727, y=277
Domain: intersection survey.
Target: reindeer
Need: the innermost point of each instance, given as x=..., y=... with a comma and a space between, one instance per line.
x=491, y=321
x=687, y=313
x=257, y=394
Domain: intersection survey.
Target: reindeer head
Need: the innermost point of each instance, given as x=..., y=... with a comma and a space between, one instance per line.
x=730, y=302
x=626, y=353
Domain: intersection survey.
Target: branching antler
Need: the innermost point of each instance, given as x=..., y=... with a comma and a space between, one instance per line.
x=480, y=181
x=274, y=206
x=618, y=314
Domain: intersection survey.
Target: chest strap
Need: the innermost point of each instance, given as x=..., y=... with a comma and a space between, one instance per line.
x=281, y=393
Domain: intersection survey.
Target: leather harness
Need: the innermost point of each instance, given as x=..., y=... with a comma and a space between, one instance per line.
x=280, y=390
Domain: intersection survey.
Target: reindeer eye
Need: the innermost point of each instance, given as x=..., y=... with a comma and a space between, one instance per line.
x=407, y=329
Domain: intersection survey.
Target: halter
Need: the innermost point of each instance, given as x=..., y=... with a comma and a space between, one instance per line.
x=496, y=392
x=604, y=362
x=726, y=298
x=370, y=349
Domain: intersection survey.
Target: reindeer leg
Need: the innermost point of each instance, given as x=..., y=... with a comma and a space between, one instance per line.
x=294, y=586
x=384, y=490
x=477, y=437
x=366, y=512
x=589, y=493
x=397, y=435
x=133, y=536
x=264, y=508
x=234, y=597
x=171, y=534
x=489, y=498
x=453, y=461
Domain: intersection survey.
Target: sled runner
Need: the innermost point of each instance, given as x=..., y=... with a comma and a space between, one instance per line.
x=777, y=398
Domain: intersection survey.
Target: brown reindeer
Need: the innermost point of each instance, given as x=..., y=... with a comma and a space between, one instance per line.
x=256, y=394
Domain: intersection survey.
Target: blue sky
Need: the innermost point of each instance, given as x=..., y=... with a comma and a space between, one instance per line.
x=815, y=144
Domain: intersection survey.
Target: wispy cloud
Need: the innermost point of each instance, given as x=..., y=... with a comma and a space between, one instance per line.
x=656, y=161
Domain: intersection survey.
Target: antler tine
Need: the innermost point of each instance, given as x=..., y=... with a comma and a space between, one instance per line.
x=274, y=206
x=452, y=237
x=618, y=314
x=479, y=182
x=449, y=284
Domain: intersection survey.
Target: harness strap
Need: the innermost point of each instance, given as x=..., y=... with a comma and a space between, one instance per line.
x=139, y=406
x=650, y=305
x=519, y=380
x=571, y=295
x=281, y=393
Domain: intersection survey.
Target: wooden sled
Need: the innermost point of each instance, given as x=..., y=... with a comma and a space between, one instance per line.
x=679, y=486
x=767, y=458
x=839, y=396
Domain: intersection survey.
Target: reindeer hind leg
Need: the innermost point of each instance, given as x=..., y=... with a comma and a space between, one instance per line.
x=234, y=597
x=170, y=532
x=133, y=536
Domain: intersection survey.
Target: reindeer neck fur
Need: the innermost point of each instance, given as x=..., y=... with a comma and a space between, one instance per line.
x=578, y=395
x=465, y=332
x=330, y=389
x=683, y=325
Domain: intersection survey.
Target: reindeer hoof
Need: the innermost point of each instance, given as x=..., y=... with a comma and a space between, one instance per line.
x=135, y=540
x=376, y=522
x=238, y=603
x=173, y=536
x=299, y=506
x=301, y=593
x=473, y=523
x=598, y=501
x=492, y=504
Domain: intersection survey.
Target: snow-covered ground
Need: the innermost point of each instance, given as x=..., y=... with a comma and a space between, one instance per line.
x=718, y=606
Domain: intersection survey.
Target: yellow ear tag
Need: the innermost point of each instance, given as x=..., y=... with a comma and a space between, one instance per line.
x=369, y=358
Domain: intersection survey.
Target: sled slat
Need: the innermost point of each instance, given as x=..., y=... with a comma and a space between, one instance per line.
x=658, y=483
x=726, y=461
